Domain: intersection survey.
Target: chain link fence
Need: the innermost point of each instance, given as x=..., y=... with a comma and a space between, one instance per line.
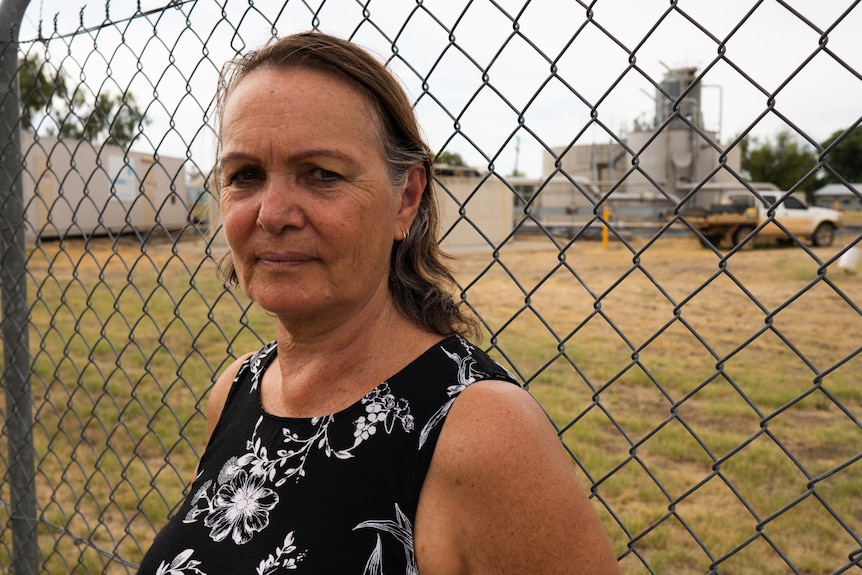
x=709, y=394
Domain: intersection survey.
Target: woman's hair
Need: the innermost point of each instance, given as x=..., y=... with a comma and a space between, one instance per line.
x=420, y=281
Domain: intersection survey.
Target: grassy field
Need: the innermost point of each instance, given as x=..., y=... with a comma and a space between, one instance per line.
x=711, y=400
x=853, y=218
x=714, y=403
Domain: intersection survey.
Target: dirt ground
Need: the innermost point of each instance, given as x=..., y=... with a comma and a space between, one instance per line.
x=637, y=285
x=642, y=285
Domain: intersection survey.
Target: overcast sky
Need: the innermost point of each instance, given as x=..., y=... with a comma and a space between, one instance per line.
x=819, y=91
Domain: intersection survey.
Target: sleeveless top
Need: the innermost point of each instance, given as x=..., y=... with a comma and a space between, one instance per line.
x=333, y=494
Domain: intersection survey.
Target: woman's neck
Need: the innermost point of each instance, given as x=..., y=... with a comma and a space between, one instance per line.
x=321, y=372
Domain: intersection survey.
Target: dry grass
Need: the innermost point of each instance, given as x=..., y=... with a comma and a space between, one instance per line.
x=714, y=404
x=710, y=400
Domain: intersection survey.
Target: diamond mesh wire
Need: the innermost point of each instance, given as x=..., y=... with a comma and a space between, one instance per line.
x=707, y=392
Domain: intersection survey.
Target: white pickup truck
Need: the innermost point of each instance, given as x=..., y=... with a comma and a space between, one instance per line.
x=738, y=214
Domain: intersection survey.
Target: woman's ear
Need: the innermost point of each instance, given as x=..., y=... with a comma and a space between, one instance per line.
x=411, y=197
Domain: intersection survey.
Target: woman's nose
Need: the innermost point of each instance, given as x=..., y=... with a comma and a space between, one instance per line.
x=279, y=208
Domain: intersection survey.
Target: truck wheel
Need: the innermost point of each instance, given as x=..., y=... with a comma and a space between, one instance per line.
x=739, y=236
x=710, y=241
x=823, y=235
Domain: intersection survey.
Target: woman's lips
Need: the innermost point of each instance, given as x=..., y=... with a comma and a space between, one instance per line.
x=284, y=259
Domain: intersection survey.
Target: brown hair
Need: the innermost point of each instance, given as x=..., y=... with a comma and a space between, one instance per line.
x=419, y=280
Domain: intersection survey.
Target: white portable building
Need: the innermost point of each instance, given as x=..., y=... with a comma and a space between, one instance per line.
x=74, y=188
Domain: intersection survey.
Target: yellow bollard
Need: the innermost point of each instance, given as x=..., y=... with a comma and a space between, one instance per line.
x=605, y=215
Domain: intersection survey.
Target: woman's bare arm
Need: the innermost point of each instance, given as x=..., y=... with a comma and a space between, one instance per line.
x=502, y=495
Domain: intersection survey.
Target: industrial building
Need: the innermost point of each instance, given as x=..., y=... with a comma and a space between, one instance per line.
x=643, y=176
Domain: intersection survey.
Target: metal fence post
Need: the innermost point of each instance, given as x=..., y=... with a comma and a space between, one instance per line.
x=13, y=289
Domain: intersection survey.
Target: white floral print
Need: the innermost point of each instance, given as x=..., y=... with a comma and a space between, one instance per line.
x=467, y=374
x=381, y=409
x=239, y=507
x=256, y=361
x=402, y=530
x=374, y=565
x=237, y=503
x=281, y=559
x=182, y=564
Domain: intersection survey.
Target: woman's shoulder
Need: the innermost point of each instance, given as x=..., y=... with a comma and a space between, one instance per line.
x=435, y=378
x=494, y=412
x=223, y=386
x=472, y=363
x=509, y=487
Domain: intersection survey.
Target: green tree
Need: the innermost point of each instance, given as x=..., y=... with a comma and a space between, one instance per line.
x=449, y=158
x=846, y=157
x=52, y=104
x=39, y=88
x=784, y=162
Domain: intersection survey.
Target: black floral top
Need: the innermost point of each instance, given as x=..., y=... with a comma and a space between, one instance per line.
x=334, y=494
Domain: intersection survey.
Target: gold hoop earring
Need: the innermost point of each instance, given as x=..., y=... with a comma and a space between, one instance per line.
x=406, y=235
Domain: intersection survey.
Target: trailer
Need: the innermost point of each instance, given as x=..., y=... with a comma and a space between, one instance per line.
x=73, y=188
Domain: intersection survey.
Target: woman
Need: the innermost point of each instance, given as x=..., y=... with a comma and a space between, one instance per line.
x=370, y=437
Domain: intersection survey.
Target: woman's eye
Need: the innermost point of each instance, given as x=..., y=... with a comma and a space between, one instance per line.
x=245, y=176
x=323, y=175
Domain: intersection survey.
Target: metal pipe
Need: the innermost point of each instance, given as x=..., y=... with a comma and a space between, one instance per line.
x=13, y=290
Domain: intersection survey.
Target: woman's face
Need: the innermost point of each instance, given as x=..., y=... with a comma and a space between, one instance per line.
x=308, y=210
